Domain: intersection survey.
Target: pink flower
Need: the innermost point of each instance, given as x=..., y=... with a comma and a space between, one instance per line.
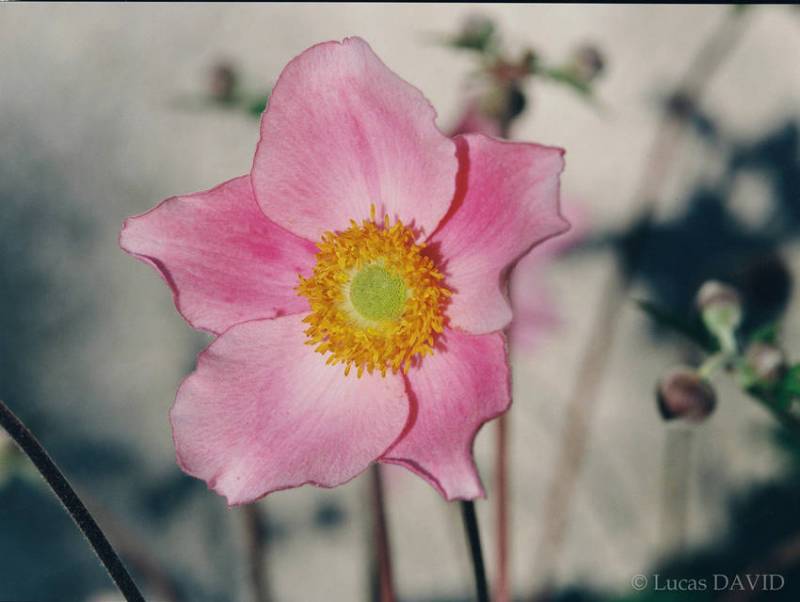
x=356, y=279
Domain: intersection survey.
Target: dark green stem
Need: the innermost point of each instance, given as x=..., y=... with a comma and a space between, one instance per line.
x=474, y=539
x=67, y=496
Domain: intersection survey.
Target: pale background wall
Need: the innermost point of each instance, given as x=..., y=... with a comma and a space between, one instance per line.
x=89, y=123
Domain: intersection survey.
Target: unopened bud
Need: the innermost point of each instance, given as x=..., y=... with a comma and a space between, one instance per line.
x=588, y=63
x=503, y=102
x=493, y=101
x=507, y=72
x=475, y=33
x=768, y=362
x=683, y=394
x=721, y=309
x=529, y=60
x=715, y=293
x=223, y=83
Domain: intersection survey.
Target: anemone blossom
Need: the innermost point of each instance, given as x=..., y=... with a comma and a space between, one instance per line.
x=356, y=279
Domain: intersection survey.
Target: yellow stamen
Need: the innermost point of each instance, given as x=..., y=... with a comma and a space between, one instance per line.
x=377, y=302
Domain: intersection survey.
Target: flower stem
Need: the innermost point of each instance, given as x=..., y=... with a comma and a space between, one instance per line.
x=67, y=496
x=502, y=587
x=474, y=539
x=384, y=583
x=675, y=489
x=255, y=533
x=712, y=362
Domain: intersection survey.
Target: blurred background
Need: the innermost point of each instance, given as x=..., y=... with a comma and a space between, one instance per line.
x=683, y=165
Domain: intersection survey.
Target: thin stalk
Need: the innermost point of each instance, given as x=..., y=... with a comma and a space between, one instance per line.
x=255, y=533
x=71, y=502
x=474, y=538
x=712, y=363
x=502, y=587
x=675, y=489
x=384, y=580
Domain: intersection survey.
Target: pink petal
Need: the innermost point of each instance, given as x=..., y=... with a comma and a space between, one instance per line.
x=264, y=412
x=453, y=392
x=507, y=202
x=224, y=260
x=342, y=132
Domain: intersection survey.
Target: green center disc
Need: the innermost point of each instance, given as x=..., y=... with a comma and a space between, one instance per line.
x=378, y=294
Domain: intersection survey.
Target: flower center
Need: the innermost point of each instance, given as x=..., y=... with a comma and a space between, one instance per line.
x=378, y=294
x=377, y=302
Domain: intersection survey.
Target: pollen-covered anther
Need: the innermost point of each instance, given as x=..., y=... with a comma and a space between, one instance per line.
x=377, y=302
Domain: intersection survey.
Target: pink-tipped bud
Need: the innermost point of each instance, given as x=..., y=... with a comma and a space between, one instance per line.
x=588, y=63
x=502, y=102
x=223, y=82
x=715, y=294
x=721, y=308
x=476, y=33
x=768, y=362
x=683, y=394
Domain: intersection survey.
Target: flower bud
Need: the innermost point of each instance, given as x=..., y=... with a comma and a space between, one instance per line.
x=503, y=102
x=721, y=309
x=529, y=60
x=506, y=72
x=588, y=63
x=683, y=394
x=223, y=82
x=475, y=34
x=768, y=362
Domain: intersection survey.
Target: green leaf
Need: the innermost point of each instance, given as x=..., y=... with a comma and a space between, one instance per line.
x=781, y=395
x=791, y=382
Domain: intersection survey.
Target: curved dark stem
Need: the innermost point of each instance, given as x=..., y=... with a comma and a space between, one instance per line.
x=67, y=496
x=474, y=538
